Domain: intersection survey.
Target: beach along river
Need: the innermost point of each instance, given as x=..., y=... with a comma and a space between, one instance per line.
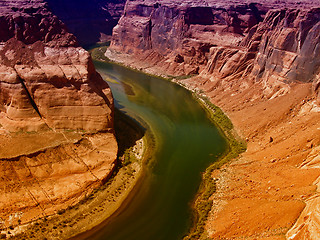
x=186, y=144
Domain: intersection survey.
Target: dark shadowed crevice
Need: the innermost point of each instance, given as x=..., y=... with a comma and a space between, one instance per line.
x=255, y=12
x=34, y=105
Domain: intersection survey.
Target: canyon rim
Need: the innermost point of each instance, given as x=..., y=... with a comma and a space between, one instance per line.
x=259, y=62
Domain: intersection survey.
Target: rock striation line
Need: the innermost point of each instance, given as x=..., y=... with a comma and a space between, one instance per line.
x=57, y=138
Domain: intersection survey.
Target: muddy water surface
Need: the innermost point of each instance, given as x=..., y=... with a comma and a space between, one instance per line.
x=186, y=143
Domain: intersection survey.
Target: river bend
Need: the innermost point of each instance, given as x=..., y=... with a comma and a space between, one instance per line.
x=186, y=143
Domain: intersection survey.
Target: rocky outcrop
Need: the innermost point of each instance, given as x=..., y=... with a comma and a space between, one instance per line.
x=307, y=225
x=47, y=81
x=178, y=37
x=43, y=183
x=90, y=21
x=52, y=97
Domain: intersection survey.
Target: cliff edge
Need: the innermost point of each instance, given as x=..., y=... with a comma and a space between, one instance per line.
x=56, y=116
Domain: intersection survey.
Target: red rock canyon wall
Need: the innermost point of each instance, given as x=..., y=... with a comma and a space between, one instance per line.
x=47, y=80
x=229, y=43
x=56, y=116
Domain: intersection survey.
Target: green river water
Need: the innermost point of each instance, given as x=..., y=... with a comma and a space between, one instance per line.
x=186, y=143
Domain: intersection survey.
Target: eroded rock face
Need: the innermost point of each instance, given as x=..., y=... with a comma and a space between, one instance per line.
x=228, y=43
x=40, y=184
x=288, y=50
x=178, y=37
x=277, y=52
x=47, y=80
x=50, y=96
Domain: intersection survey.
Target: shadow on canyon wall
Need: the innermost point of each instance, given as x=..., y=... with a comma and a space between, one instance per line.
x=128, y=131
x=90, y=20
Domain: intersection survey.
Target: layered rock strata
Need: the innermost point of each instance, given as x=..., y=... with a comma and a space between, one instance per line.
x=178, y=38
x=43, y=183
x=260, y=63
x=40, y=64
x=52, y=97
x=240, y=41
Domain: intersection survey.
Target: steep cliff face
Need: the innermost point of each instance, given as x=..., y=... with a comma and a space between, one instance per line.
x=288, y=51
x=278, y=51
x=223, y=41
x=177, y=37
x=53, y=103
x=90, y=20
x=41, y=64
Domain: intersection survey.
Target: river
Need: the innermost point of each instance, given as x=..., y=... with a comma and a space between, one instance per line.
x=186, y=143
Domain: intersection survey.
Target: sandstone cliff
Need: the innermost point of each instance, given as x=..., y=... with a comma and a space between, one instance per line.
x=260, y=63
x=178, y=38
x=38, y=55
x=53, y=103
x=222, y=41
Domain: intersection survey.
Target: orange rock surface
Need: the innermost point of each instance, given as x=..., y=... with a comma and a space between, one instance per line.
x=40, y=184
x=263, y=193
x=56, y=116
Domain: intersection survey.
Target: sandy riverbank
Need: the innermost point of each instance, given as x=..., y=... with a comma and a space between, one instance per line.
x=261, y=194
